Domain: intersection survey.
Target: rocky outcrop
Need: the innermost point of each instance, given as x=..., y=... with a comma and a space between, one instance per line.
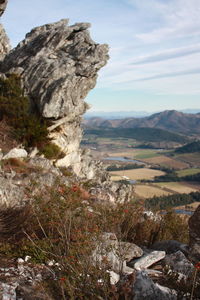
x=194, y=233
x=3, y=4
x=59, y=65
x=4, y=41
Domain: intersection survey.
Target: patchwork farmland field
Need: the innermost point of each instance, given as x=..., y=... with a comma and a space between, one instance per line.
x=166, y=161
x=191, y=158
x=186, y=172
x=138, y=174
x=177, y=187
x=148, y=191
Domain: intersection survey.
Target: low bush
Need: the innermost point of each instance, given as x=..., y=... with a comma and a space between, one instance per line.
x=28, y=128
x=51, y=151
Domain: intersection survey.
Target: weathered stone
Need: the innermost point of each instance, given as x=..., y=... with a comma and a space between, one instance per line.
x=16, y=153
x=116, y=253
x=4, y=43
x=147, y=260
x=194, y=235
x=145, y=289
x=179, y=263
x=3, y=4
x=114, y=277
x=108, y=191
x=170, y=246
x=60, y=66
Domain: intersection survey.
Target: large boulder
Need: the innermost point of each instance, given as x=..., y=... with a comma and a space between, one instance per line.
x=194, y=235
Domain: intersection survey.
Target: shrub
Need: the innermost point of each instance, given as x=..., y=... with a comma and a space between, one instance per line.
x=28, y=128
x=51, y=151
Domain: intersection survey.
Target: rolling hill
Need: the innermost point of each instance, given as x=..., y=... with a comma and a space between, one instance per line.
x=140, y=134
x=170, y=120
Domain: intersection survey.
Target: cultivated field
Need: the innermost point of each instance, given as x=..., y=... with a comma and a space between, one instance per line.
x=177, y=187
x=166, y=162
x=148, y=191
x=137, y=153
x=192, y=158
x=138, y=174
x=186, y=172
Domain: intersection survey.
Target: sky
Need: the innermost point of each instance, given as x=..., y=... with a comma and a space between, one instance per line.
x=154, y=47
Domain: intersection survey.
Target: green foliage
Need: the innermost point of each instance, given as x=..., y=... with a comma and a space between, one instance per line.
x=124, y=167
x=164, y=202
x=28, y=128
x=140, y=134
x=51, y=151
x=189, y=148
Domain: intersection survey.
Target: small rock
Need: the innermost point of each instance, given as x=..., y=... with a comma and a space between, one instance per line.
x=51, y=263
x=27, y=258
x=16, y=153
x=114, y=277
x=147, y=260
x=20, y=261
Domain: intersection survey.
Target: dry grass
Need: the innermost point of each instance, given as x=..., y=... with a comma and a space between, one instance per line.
x=138, y=174
x=167, y=162
x=147, y=191
x=177, y=187
x=7, y=141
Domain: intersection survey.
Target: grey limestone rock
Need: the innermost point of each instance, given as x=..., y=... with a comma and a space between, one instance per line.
x=147, y=260
x=179, y=263
x=117, y=253
x=60, y=65
x=145, y=289
x=3, y=4
x=4, y=43
x=4, y=40
x=16, y=153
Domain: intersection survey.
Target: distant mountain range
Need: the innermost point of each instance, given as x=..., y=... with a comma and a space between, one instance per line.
x=171, y=120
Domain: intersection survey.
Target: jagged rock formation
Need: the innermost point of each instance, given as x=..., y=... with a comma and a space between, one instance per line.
x=194, y=231
x=59, y=66
x=3, y=4
x=4, y=41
